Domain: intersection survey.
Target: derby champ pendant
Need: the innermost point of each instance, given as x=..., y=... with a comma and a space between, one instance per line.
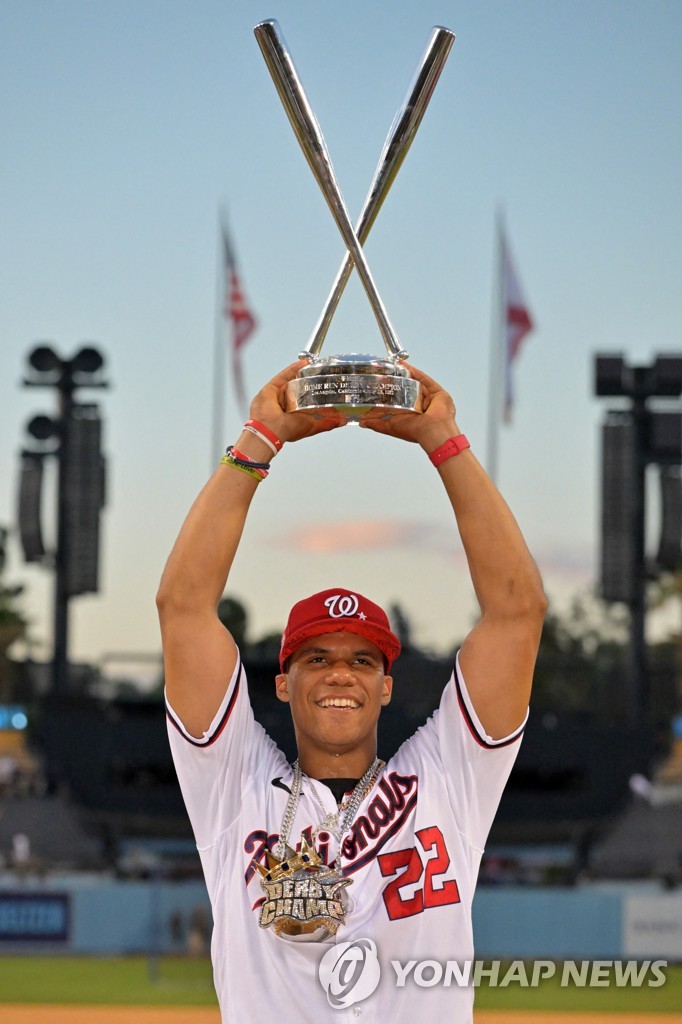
x=304, y=896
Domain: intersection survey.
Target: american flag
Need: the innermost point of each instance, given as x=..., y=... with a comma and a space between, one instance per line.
x=516, y=323
x=236, y=314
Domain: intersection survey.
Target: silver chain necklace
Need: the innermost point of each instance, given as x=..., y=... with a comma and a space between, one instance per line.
x=331, y=821
x=304, y=897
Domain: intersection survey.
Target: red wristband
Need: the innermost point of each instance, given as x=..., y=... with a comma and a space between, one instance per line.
x=246, y=458
x=257, y=427
x=453, y=446
x=242, y=461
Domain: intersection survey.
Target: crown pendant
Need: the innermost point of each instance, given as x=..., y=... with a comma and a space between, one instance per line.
x=304, y=895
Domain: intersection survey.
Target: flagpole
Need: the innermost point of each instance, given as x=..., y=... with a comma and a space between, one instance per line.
x=218, y=418
x=496, y=335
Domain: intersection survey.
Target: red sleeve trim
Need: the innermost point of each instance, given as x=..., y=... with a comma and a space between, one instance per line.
x=209, y=738
x=481, y=739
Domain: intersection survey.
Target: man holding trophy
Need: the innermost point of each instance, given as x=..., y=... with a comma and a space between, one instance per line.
x=326, y=874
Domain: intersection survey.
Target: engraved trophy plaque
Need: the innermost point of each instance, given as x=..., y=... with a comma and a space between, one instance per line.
x=353, y=382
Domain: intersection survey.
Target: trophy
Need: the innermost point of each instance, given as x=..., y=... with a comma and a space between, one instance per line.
x=351, y=382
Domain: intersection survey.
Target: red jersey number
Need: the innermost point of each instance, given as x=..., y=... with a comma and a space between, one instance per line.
x=432, y=891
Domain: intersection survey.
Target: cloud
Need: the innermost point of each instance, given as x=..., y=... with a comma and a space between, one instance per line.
x=363, y=534
x=570, y=562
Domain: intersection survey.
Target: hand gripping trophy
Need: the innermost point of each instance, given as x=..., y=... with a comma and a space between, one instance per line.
x=353, y=383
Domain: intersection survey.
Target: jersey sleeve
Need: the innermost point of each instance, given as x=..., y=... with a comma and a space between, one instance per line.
x=215, y=770
x=475, y=766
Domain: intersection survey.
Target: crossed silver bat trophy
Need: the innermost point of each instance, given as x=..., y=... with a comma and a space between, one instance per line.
x=353, y=383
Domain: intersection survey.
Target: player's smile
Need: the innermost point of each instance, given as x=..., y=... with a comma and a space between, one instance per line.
x=336, y=686
x=338, y=703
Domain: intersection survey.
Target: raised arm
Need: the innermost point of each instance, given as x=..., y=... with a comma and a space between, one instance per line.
x=199, y=653
x=498, y=656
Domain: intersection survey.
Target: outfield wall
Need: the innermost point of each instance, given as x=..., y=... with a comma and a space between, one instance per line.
x=555, y=924
x=105, y=916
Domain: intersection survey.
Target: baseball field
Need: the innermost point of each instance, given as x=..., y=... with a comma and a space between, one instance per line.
x=139, y=990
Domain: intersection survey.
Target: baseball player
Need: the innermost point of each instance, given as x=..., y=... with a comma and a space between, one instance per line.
x=341, y=886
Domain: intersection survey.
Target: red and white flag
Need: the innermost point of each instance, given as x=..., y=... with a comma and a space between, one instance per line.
x=516, y=324
x=236, y=314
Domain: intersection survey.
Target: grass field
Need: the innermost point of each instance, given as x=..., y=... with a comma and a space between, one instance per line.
x=181, y=982
x=108, y=981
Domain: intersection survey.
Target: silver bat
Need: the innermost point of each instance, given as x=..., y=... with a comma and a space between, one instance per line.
x=398, y=141
x=311, y=141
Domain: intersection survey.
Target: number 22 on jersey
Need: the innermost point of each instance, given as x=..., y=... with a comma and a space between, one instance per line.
x=430, y=892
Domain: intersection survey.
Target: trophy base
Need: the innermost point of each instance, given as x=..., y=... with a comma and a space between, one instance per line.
x=354, y=384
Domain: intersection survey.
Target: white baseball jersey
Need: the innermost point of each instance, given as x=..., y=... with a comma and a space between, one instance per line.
x=413, y=854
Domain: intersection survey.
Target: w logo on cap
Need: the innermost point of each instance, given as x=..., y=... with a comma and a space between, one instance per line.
x=342, y=606
x=338, y=610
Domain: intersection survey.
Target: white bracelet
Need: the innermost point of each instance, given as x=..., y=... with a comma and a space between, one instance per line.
x=267, y=441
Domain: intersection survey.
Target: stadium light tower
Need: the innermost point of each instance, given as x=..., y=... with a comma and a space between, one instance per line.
x=635, y=436
x=73, y=437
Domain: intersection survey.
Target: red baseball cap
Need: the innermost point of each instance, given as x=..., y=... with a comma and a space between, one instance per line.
x=338, y=611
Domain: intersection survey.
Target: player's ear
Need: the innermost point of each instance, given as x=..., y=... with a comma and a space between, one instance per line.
x=387, y=691
x=282, y=687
